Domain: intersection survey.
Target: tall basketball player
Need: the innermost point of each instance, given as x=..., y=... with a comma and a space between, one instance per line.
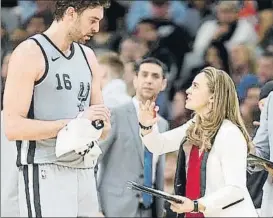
x=52, y=78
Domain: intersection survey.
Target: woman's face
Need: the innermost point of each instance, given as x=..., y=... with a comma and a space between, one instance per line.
x=198, y=95
x=212, y=58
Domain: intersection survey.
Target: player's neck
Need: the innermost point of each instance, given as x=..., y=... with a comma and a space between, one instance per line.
x=58, y=34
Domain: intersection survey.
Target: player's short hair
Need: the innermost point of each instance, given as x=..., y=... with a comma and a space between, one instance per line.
x=151, y=60
x=112, y=60
x=79, y=5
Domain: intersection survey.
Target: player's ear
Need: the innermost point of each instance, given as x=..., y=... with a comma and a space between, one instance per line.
x=71, y=13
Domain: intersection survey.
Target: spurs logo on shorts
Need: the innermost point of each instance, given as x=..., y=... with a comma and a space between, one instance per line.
x=83, y=95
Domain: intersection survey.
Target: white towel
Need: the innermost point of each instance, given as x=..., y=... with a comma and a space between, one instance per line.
x=79, y=136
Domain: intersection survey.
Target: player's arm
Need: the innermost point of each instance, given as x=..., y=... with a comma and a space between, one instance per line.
x=26, y=66
x=96, y=90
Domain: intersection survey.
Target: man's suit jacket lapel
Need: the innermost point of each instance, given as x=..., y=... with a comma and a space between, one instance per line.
x=133, y=120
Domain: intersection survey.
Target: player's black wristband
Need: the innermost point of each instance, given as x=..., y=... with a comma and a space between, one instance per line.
x=144, y=127
x=98, y=124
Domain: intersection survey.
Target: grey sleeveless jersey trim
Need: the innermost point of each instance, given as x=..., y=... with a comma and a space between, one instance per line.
x=63, y=91
x=46, y=62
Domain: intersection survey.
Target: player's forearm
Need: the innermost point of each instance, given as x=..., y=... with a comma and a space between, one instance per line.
x=28, y=129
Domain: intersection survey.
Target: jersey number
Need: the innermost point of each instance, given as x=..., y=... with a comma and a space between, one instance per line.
x=66, y=82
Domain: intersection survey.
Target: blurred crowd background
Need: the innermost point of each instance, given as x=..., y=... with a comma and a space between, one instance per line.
x=236, y=36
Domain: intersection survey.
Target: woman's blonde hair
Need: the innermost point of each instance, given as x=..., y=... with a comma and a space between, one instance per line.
x=224, y=106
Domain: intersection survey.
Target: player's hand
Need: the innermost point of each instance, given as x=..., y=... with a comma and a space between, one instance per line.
x=147, y=113
x=97, y=112
x=106, y=129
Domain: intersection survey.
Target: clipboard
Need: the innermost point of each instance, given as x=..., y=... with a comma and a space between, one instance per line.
x=256, y=160
x=157, y=193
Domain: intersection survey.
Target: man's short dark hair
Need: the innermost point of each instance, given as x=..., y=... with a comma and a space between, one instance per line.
x=151, y=60
x=79, y=5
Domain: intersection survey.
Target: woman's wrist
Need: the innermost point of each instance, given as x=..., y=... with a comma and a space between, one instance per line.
x=144, y=127
x=145, y=132
x=197, y=207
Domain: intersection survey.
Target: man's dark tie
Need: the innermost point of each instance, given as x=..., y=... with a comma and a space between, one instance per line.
x=148, y=172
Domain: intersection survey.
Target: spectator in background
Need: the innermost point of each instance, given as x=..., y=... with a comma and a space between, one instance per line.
x=164, y=9
x=147, y=32
x=266, y=44
x=265, y=67
x=115, y=16
x=180, y=114
x=227, y=28
x=38, y=23
x=17, y=36
x=265, y=17
x=4, y=68
x=102, y=41
x=216, y=55
x=128, y=77
x=27, y=9
x=250, y=107
x=5, y=43
x=9, y=17
x=114, y=90
x=132, y=49
x=243, y=63
x=196, y=13
x=168, y=34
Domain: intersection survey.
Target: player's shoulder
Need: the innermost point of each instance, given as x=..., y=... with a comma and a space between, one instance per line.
x=28, y=48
